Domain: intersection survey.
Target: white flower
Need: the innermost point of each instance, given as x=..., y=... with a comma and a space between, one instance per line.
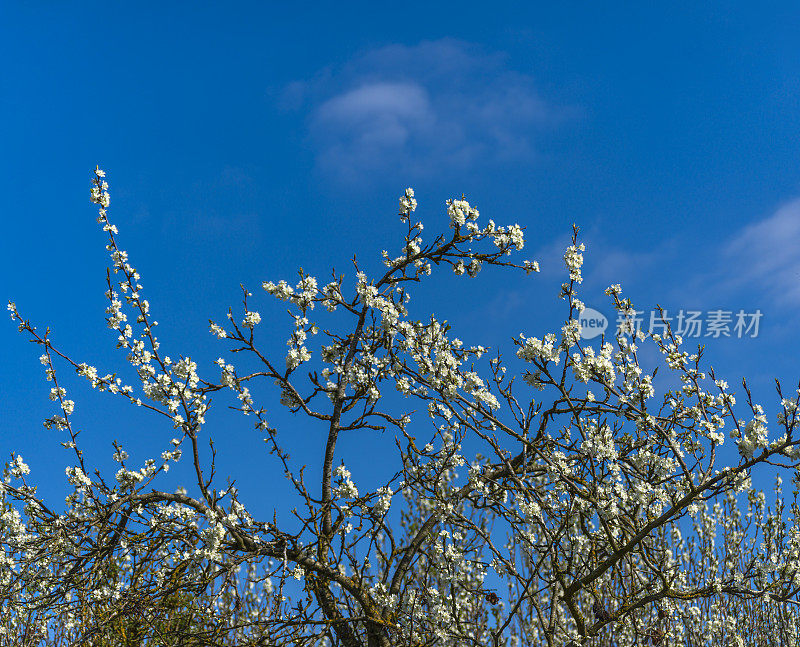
x=281, y=290
x=297, y=356
x=535, y=348
x=407, y=204
x=76, y=477
x=251, y=320
x=217, y=330
x=18, y=467
x=460, y=211
x=384, y=500
x=574, y=260
x=531, y=266
x=346, y=488
x=754, y=436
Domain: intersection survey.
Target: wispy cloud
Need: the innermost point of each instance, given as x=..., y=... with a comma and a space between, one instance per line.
x=766, y=256
x=758, y=263
x=365, y=126
x=438, y=104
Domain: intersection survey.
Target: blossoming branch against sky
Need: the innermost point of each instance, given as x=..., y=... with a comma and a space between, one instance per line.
x=245, y=142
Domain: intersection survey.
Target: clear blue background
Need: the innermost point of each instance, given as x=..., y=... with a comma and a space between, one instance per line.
x=245, y=140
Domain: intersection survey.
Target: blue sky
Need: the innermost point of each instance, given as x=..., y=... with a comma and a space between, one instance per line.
x=244, y=141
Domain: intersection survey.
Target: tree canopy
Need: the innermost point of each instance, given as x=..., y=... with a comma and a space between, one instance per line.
x=594, y=508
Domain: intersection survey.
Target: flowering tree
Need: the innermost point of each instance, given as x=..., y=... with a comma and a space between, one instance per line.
x=582, y=517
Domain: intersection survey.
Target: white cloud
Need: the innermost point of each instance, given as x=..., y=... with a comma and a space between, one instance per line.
x=758, y=263
x=756, y=267
x=765, y=256
x=371, y=123
x=437, y=105
x=384, y=103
